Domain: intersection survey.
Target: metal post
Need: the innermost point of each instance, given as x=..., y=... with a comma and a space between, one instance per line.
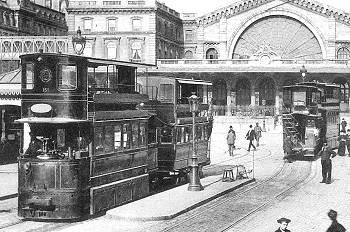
x=195, y=184
x=253, y=164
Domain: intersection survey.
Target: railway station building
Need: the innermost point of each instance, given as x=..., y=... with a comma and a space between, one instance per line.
x=249, y=49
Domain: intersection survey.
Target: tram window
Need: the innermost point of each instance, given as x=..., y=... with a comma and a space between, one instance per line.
x=142, y=137
x=117, y=137
x=135, y=134
x=67, y=77
x=108, y=139
x=166, y=135
x=198, y=132
x=166, y=92
x=99, y=140
x=179, y=133
x=29, y=75
x=61, y=138
x=126, y=136
x=187, y=134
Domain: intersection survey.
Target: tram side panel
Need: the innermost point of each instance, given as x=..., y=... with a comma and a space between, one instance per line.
x=119, y=166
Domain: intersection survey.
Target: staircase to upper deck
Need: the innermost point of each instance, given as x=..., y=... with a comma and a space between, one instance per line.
x=290, y=130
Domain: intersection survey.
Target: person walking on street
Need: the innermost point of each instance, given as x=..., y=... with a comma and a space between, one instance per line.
x=326, y=154
x=335, y=226
x=343, y=124
x=231, y=138
x=258, y=131
x=348, y=141
x=251, y=136
x=342, y=143
x=283, y=225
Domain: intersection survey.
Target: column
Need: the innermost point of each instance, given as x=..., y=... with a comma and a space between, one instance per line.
x=228, y=98
x=331, y=37
x=222, y=37
x=252, y=95
x=277, y=102
x=200, y=40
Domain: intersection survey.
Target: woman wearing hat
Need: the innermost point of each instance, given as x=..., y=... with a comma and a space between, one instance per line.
x=335, y=226
x=283, y=225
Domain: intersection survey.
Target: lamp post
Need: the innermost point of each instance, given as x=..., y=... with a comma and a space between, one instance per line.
x=79, y=42
x=195, y=184
x=303, y=72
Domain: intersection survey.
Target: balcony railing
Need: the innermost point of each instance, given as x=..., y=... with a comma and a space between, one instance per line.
x=166, y=62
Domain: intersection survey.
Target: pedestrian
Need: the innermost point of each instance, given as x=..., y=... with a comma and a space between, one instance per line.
x=283, y=225
x=343, y=124
x=251, y=136
x=258, y=134
x=335, y=226
x=342, y=143
x=231, y=138
x=348, y=141
x=326, y=154
x=288, y=149
x=34, y=146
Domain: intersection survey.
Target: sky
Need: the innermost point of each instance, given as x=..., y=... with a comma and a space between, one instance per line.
x=205, y=6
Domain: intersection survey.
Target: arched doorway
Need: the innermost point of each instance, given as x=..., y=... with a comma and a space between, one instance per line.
x=267, y=92
x=243, y=92
x=219, y=92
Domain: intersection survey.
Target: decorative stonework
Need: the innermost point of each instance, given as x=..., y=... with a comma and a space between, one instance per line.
x=245, y=5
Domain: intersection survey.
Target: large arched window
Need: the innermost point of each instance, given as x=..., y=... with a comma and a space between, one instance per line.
x=343, y=54
x=211, y=54
x=111, y=50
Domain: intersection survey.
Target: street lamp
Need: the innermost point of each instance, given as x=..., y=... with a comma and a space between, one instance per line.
x=195, y=184
x=79, y=42
x=303, y=72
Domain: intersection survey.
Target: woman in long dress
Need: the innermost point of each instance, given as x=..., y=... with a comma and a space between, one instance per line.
x=342, y=143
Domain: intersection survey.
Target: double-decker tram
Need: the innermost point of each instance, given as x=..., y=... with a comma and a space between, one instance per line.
x=310, y=117
x=87, y=146
x=175, y=123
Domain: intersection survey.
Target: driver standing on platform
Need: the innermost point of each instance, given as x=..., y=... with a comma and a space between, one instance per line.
x=34, y=145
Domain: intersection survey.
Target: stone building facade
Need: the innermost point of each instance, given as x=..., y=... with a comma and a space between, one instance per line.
x=26, y=17
x=139, y=31
x=251, y=48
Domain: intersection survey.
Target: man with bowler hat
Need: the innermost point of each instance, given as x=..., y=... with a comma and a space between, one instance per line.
x=335, y=226
x=251, y=136
x=326, y=154
x=283, y=225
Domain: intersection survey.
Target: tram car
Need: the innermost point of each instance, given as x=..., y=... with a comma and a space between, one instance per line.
x=174, y=120
x=310, y=118
x=89, y=148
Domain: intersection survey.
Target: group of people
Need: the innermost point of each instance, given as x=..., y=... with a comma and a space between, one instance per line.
x=344, y=139
x=252, y=134
x=332, y=214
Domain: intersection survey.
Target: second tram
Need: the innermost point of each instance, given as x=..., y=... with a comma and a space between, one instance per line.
x=310, y=117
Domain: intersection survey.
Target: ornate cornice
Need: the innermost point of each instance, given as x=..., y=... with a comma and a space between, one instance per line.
x=245, y=5
x=110, y=10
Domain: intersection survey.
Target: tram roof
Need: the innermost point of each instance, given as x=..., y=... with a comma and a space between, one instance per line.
x=193, y=82
x=92, y=61
x=316, y=85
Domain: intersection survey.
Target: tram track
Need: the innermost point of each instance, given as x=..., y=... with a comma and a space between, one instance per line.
x=250, y=206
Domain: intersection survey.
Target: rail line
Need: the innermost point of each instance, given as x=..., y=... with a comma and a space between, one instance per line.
x=233, y=198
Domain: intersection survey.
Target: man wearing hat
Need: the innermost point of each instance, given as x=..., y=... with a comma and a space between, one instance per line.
x=335, y=226
x=326, y=154
x=283, y=225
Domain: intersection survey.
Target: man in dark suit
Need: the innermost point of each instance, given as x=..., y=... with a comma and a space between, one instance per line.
x=251, y=136
x=335, y=226
x=326, y=154
x=283, y=225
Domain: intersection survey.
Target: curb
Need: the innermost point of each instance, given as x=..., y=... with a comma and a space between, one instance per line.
x=171, y=216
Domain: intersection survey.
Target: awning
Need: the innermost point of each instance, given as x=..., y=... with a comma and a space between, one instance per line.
x=193, y=82
x=48, y=120
x=120, y=115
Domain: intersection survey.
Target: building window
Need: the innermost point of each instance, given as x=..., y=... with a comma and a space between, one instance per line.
x=111, y=50
x=48, y=3
x=343, y=54
x=211, y=54
x=136, y=24
x=189, y=35
x=112, y=25
x=136, y=49
x=87, y=25
x=88, y=49
x=111, y=3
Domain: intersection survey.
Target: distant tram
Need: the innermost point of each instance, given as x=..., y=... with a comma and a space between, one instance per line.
x=310, y=117
x=91, y=137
